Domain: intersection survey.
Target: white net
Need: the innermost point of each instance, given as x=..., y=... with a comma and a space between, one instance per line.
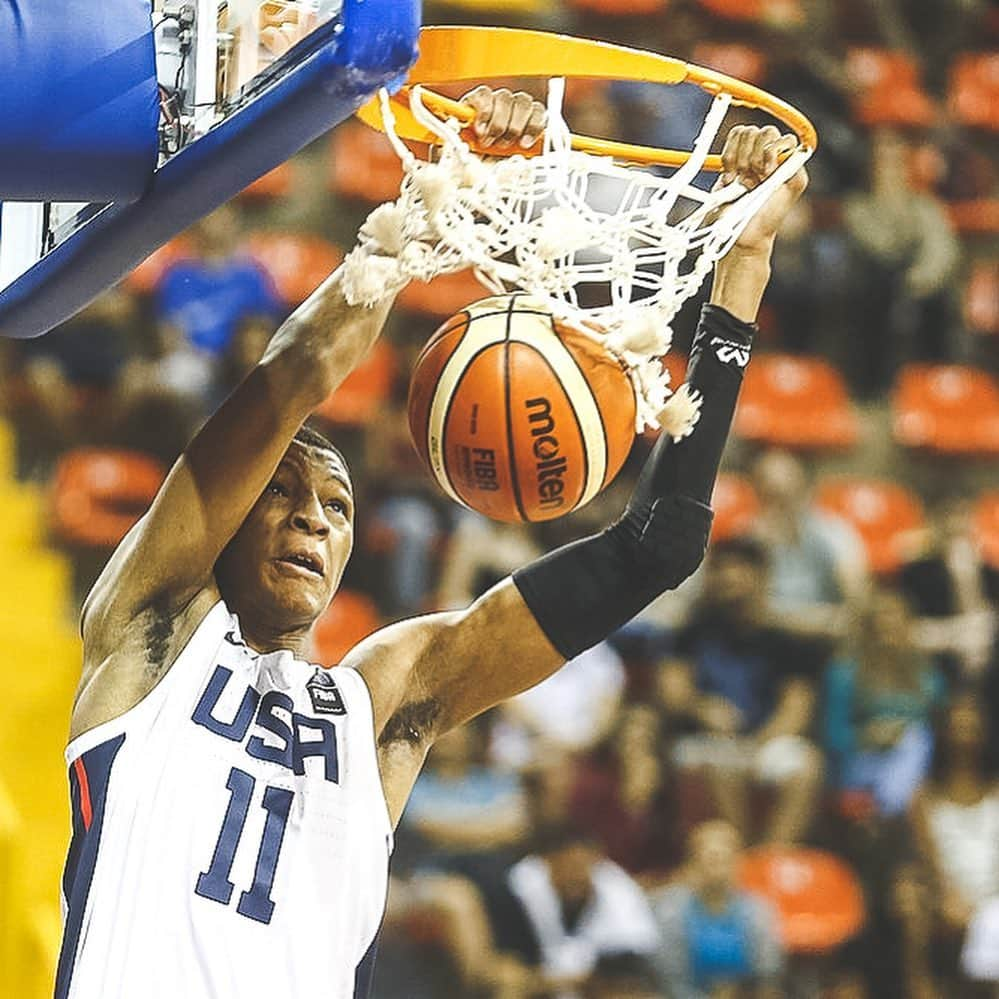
x=611, y=249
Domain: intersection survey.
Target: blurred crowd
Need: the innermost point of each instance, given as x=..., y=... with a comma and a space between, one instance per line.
x=794, y=723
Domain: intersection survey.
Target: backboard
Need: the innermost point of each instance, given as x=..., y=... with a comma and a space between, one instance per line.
x=223, y=70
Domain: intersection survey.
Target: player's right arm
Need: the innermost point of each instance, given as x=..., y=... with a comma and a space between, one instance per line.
x=159, y=582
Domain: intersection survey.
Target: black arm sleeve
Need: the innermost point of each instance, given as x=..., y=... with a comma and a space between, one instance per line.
x=582, y=593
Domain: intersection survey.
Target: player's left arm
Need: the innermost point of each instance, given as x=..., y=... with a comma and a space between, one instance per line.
x=432, y=673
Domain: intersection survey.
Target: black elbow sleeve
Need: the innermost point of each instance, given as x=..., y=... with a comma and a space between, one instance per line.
x=584, y=592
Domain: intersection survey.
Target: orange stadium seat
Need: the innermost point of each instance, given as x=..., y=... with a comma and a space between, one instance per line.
x=363, y=164
x=735, y=504
x=744, y=62
x=981, y=297
x=946, y=408
x=97, y=495
x=276, y=184
x=975, y=216
x=818, y=898
x=297, y=262
x=351, y=618
x=771, y=11
x=621, y=8
x=986, y=517
x=795, y=402
x=444, y=296
x=145, y=278
x=887, y=516
x=974, y=90
x=890, y=92
x=358, y=400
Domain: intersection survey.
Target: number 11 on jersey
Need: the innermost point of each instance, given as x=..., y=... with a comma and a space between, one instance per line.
x=214, y=883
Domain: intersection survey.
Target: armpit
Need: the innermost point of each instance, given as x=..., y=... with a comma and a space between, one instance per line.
x=158, y=628
x=412, y=723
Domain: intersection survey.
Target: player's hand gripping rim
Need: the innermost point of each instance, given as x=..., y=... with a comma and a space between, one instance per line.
x=504, y=120
x=750, y=155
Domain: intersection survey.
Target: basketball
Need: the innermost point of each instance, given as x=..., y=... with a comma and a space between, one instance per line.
x=517, y=415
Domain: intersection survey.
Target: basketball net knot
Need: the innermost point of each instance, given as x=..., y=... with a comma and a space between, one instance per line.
x=612, y=250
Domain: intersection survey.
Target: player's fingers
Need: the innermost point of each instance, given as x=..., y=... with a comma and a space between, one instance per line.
x=729, y=154
x=764, y=139
x=499, y=120
x=520, y=115
x=535, y=124
x=481, y=100
x=744, y=154
x=776, y=151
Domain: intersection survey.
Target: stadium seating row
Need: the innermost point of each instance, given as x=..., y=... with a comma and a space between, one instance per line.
x=98, y=494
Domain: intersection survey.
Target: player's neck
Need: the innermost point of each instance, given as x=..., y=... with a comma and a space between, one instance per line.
x=262, y=639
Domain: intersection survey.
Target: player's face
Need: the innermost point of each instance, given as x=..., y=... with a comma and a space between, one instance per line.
x=286, y=560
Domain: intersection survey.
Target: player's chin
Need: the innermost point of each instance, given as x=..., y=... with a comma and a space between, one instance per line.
x=299, y=599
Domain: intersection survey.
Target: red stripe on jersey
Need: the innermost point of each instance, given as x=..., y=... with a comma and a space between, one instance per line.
x=86, y=810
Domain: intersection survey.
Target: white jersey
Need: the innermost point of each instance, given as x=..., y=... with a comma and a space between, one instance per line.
x=230, y=834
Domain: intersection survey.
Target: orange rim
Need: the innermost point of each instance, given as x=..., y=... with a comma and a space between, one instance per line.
x=467, y=54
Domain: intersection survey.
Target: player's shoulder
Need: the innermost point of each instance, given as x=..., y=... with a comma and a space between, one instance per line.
x=387, y=660
x=124, y=660
x=165, y=620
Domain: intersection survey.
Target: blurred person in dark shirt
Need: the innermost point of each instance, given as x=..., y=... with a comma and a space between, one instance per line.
x=715, y=939
x=162, y=395
x=622, y=796
x=576, y=908
x=546, y=927
x=61, y=384
x=954, y=590
x=249, y=341
x=165, y=393
x=906, y=257
x=739, y=692
x=88, y=349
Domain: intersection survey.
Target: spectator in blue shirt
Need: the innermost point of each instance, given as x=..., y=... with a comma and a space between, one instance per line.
x=207, y=297
x=715, y=938
x=459, y=805
x=879, y=705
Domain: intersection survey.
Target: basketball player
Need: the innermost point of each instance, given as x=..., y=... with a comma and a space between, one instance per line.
x=233, y=804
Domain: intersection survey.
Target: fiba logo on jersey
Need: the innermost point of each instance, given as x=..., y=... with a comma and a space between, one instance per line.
x=326, y=699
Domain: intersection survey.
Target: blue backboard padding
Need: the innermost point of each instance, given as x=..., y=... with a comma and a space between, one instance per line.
x=341, y=65
x=80, y=105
